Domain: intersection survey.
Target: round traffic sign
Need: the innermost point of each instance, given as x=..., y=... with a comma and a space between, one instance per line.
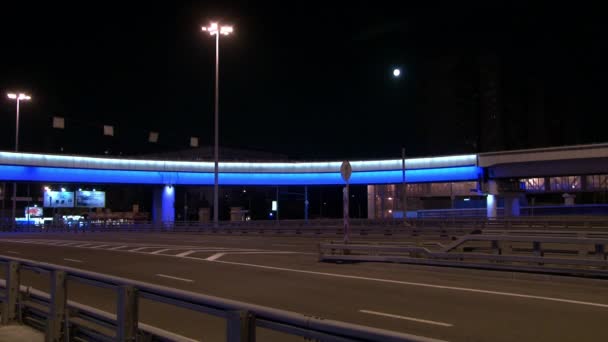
x=346, y=170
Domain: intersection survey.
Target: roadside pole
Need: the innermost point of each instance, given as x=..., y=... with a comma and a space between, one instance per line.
x=346, y=171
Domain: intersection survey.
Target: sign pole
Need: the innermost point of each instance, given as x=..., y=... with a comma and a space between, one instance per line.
x=404, y=188
x=346, y=171
x=346, y=215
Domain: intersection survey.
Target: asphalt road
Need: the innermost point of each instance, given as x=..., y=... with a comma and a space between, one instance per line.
x=283, y=272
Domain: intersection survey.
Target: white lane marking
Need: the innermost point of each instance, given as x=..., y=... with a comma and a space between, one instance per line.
x=83, y=245
x=191, y=251
x=117, y=247
x=219, y=255
x=72, y=260
x=160, y=251
x=13, y=252
x=175, y=278
x=100, y=246
x=265, y=252
x=434, y=286
x=406, y=318
x=283, y=245
x=64, y=244
x=186, y=253
x=215, y=256
x=139, y=249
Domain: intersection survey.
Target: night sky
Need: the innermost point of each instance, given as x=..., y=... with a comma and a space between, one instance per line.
x=311, y=81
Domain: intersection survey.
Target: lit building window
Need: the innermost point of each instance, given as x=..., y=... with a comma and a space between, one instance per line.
x=597, y=182
x=534, y=184
x=566, y=183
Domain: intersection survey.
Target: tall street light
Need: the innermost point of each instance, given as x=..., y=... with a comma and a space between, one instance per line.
x=18, y=98
x=215, y=29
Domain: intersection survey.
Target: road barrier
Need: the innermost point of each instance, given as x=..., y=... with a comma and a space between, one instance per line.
x=549, y=254
x=439, y=227
x=64, y=320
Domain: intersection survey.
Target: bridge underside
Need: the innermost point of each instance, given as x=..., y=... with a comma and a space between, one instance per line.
x=549, y=168
x=81, y=175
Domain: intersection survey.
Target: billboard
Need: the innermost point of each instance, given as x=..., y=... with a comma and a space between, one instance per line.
x=33, y=212
x=91, y=199
x=58, y=199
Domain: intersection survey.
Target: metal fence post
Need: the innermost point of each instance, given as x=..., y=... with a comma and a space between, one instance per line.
x=9, y=305
x=127, y=314
x=600, y=251
x=57, y=306
x=240, y=326
x=537, y=249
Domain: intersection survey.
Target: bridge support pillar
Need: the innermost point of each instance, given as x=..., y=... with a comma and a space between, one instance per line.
x=491, y=199
x=163, y=208
x=512, y=207
x=371, y=202
x=491, y=204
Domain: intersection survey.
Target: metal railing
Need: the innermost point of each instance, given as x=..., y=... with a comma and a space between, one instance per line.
x=446, y=227
x=551, y=254
x=64, y=320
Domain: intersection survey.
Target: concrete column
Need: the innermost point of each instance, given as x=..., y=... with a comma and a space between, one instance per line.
x=491, y=206
x=306, y=203
x=381, y=194
x=163, y=207
x=507, y=205
x=371, y=202
x=491, y=199
x=512, y=206
x=515, y=206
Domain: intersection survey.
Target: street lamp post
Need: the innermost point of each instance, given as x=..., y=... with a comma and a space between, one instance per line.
x=215, y=29
x=18, y=98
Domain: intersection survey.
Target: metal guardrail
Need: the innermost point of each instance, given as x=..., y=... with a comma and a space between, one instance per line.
x=446, y=227
x=501, y=252
x=64, y=320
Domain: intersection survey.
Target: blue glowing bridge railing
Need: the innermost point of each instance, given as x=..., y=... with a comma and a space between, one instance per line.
x=83, y=175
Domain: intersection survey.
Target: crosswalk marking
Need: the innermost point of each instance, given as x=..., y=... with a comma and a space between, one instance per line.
x=100, y=246
x=138, y=249
x=160, y=251
x=186, y=253
x=178, y=251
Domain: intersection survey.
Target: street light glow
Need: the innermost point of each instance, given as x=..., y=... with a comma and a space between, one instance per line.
x=226, y=30
x=214, y=28
x=19, y=97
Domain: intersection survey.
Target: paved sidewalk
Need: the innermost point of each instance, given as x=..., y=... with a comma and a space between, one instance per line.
x=21, y=333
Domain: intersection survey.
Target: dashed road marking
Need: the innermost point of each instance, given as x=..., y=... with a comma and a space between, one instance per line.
x=115, y=248
x=215, y=256
x=175, y=278
x=160, y=251
x=406, y=318
x=73, y=260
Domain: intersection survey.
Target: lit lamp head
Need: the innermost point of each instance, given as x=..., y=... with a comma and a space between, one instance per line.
x=21, y=96
x=214, y=29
